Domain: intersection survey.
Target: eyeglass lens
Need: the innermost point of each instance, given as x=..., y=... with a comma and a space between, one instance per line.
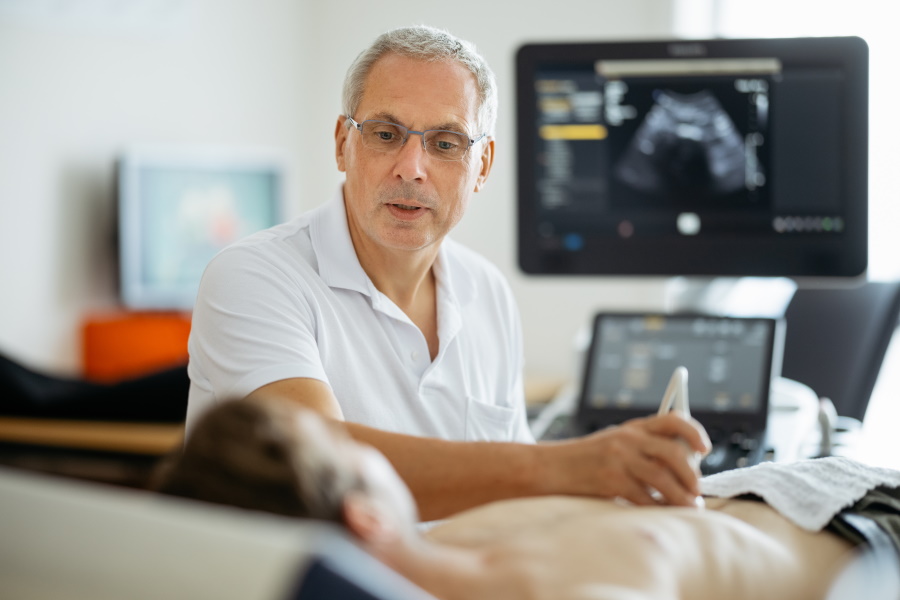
x=389, y=137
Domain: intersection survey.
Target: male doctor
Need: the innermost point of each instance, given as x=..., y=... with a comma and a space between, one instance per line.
x=366, y=312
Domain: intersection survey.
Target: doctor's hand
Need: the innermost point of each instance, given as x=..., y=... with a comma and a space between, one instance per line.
x=630, y=461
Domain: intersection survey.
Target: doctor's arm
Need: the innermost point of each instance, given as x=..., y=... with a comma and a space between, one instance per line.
x=449, y=476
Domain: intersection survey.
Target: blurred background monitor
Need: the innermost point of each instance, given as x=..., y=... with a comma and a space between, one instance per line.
x=178, y=207
x=707, y=157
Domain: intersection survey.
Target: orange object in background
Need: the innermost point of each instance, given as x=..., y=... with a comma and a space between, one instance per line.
x=124, y=345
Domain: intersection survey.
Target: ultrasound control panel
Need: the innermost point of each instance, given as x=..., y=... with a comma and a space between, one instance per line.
x=731, y=361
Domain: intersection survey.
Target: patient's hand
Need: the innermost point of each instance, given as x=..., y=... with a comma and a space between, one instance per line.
x=630, y=460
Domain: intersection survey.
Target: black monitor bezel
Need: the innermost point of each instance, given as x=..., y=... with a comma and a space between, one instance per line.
x=754, y=421
x=797, y=257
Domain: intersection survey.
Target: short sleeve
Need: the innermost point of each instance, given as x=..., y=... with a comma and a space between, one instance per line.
x=253, y=324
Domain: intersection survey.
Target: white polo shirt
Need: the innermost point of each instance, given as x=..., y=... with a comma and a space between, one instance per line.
x=293, y=301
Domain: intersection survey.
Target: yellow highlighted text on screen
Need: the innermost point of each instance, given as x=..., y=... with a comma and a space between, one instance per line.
x=573, y=132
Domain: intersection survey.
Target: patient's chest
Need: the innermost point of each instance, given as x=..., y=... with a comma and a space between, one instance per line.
x=563, y=548
x=507, y=519
x=568, y=548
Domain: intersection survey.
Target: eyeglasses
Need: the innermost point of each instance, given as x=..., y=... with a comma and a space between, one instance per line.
x=438, y=143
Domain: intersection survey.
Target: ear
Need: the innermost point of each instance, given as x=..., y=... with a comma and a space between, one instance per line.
x=341, y=132
x=366, y=520
x=487, y=160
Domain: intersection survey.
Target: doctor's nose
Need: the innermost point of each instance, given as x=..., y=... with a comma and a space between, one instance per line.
x=411, y=159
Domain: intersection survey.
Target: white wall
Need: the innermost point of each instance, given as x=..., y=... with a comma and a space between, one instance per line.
x=79, y=80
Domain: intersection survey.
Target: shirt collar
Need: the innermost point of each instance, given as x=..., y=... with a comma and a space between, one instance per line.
x=338, y=264
x=452, y=274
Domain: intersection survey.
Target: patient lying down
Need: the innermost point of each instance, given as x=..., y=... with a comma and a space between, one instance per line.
x=282, y=459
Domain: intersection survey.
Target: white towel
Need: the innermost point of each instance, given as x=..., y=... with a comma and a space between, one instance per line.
x=807, y=492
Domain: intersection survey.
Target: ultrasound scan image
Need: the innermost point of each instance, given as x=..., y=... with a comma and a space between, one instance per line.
x=687, y=144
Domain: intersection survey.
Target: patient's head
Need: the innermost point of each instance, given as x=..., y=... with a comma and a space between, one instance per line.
x=276, y=457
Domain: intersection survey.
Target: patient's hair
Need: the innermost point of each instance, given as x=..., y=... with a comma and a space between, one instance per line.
x=250, y=454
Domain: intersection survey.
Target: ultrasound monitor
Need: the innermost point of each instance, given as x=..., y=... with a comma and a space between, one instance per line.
x=706, y=157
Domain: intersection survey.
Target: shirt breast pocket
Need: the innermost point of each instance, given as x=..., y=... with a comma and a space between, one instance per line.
x=488, y=422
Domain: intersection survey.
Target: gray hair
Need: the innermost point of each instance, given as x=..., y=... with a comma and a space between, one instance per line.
x=425, y=43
